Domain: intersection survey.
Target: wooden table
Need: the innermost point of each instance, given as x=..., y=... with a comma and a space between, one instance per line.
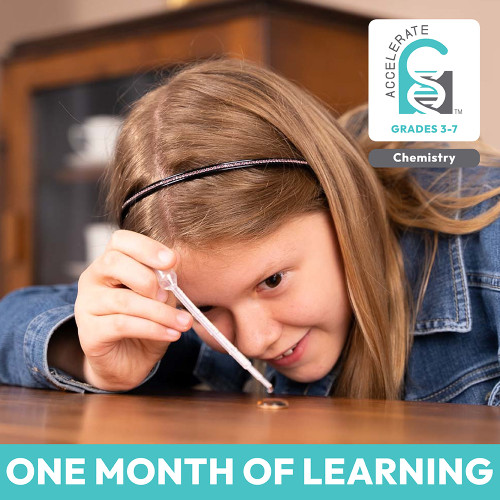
x=36, y=416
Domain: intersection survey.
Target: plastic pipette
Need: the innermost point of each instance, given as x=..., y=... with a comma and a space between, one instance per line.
x=168, y=281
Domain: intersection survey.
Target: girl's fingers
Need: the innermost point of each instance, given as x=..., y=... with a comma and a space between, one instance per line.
x=142, y=249
x=127, y=302
x=116, y=327
x=115, y=269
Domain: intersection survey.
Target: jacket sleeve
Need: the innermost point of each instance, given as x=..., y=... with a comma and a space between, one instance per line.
x=28, y=318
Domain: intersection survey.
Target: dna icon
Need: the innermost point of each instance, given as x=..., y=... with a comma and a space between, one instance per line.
x=419, y=90
x=425, y=95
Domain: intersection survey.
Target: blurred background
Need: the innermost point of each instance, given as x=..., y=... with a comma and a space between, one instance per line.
x=72, y=68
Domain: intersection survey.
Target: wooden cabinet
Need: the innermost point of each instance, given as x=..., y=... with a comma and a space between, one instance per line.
x=50, y=83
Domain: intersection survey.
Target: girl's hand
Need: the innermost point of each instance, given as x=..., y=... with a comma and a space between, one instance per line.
x=125, y=320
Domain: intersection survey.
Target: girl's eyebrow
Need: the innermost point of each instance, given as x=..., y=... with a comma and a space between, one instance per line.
x=274, y=265
x=271, y=268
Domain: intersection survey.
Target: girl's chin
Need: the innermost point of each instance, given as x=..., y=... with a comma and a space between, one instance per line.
x=304, y=375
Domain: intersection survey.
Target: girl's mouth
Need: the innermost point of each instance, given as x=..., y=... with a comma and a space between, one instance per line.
x=293, y=354
x=287, y=353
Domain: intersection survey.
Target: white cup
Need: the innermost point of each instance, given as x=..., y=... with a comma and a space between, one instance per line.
x=97, y=236
x=94, y=140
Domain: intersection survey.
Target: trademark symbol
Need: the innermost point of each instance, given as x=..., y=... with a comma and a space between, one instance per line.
x=457, y=111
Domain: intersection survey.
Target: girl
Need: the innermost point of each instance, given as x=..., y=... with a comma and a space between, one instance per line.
x=299, y=251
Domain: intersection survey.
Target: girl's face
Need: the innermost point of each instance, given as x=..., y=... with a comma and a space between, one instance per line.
x=282, y=299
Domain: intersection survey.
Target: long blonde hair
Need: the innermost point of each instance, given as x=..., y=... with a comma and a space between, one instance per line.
x=223, y=110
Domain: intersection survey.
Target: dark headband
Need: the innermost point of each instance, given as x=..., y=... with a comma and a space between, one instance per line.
x=202, y=172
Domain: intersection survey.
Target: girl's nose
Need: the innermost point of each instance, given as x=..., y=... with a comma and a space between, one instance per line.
x=255, y=331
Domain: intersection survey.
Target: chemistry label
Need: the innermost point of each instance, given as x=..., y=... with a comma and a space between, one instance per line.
x=424, y=80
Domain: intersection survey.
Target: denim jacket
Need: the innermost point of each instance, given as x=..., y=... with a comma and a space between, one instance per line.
x=455, y=353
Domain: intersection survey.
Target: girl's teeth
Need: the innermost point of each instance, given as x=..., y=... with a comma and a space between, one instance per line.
x=287, y=353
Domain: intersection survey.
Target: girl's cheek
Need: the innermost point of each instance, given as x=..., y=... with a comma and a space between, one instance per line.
x=303, y=310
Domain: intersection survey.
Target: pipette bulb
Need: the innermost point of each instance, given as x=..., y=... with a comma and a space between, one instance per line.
x=166, y=279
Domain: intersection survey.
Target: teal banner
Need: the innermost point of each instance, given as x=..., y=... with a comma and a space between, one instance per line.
x=248, y=471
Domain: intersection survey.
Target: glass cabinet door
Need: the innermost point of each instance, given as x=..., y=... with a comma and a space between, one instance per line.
x=75, y=130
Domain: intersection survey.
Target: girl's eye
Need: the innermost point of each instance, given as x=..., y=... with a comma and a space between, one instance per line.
x=205, y=309
x=273, y=281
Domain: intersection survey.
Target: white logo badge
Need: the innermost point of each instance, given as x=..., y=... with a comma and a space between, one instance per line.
x=424, y=80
